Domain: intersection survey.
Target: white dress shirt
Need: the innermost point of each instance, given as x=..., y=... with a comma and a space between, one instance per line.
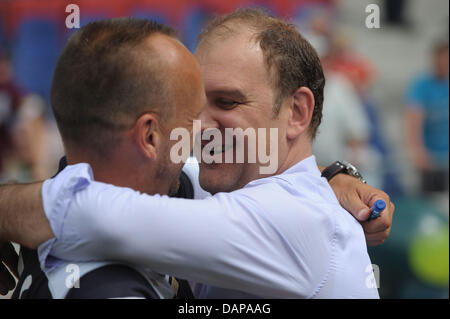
x=284, y=236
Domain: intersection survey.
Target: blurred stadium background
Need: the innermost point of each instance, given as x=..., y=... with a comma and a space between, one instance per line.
x=372, y=77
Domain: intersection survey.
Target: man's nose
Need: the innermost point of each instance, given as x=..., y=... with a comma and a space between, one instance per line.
x=207, y=117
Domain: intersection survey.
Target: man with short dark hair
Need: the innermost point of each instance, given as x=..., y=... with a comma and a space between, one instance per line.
x=234, y=240
x=119, y=86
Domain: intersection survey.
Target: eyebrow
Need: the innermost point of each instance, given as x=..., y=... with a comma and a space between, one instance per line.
x=232, y=93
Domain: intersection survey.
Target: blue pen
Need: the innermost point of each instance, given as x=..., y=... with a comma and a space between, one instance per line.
x=377, y=208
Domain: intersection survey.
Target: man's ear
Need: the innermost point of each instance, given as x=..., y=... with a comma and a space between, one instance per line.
x=300, y=113
x=147, y=135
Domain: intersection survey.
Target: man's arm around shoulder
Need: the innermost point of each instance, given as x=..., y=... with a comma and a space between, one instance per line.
x=22, y=217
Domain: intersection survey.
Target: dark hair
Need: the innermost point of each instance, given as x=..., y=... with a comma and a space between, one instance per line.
x=102, y=82
x=291, y=60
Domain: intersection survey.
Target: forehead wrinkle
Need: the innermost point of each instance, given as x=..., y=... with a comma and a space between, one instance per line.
x=244, y=29
x=233, y=93
x=247, y=73
x=233, y=86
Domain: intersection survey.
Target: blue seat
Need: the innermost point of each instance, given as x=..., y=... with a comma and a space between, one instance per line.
x=86, y=18
x=194, y=21
x=35, y=50
x=153, y=15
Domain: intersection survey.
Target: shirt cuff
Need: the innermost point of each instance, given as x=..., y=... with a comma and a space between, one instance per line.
x=57, y=195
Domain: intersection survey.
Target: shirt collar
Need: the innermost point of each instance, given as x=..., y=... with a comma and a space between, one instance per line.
x=306, y=165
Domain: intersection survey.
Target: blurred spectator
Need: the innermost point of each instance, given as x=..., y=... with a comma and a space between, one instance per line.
x=316, y=28
x=341, y=58
x=344, y=131
x=350, y=128
x=344, y=127
x=427, y=121
x=10, y=99
x=30, y=137
x=373, y=154
x=23, y=131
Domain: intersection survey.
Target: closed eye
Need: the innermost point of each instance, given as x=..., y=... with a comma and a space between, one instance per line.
x=226, y=104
